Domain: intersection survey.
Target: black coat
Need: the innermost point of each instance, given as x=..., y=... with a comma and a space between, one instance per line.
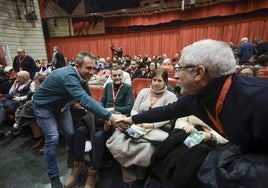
x=244, y=114
x=176, y=165
x=28, y=64
x=59, y=60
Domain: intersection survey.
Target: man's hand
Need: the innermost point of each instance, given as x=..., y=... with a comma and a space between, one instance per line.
x=147, y=125
x=189, y=128
x=16, y=99
x=119, y=122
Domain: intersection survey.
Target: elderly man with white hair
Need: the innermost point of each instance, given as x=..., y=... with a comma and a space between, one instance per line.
x=15, y=98
x=233, y=105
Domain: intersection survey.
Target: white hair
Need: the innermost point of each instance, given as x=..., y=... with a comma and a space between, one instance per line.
x=24, y=74
x=244, y=39
x=216, y=56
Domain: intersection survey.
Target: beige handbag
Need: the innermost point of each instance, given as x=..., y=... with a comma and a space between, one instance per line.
x=128, y=151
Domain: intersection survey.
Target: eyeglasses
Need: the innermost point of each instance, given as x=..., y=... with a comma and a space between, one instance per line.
x=179, y=67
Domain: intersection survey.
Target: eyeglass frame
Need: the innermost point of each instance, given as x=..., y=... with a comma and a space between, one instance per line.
x=179, y=67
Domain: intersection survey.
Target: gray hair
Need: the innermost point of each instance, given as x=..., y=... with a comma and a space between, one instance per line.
x=80, y=57
x=20, y=50
x=24, y=74
x=244, y=39
x=216, y=56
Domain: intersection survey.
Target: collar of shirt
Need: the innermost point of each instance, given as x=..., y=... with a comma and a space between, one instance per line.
x=81, y=79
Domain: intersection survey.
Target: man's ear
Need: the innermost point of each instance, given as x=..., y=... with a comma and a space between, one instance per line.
x=200, y=73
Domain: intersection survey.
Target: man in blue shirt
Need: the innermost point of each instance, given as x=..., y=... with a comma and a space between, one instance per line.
x=51, y=107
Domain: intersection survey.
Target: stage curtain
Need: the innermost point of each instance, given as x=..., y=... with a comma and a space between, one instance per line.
x=219, y=9
x=161, y=41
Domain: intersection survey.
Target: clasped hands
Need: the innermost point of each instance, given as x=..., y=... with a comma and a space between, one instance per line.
x=121, y=122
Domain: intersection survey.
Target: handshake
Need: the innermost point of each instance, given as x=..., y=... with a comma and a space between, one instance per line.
x=121, y=122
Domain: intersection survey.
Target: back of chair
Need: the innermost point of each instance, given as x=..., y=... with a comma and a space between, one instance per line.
x=138, y=84
x=96, y=92
x=172, y=82
x=105, y=71
x=263, y=73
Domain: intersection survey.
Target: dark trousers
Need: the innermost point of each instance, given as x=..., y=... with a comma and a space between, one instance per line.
x=98, y=139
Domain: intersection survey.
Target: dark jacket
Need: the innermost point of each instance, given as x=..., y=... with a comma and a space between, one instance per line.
x=28, y=64
x=244, y=114
x=230, y=168
x=245, y=51
x=262, y=48
x=137, y=74
x=59, y=60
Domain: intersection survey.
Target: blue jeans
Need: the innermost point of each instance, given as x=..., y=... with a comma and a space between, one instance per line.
x=49, y=123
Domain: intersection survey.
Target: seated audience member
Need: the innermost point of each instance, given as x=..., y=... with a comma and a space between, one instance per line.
x=176, y=89
x=24, y=113
x=263, y=61
x=101, y=64
x=174, y=163
x=167, y=65
x=261, y=46
x=253, y=60
x=117, y=98
x=155, y=96
x=247, y=71
x=262, y=66
x=45, y=68
x=136, y=71
x=146, y=60
x=16, y=97
x=140, y=61
x=131, y=67
x=98, y=80
x=151, y=68
x=5, y=82
x=235, y=106
x=126, y=77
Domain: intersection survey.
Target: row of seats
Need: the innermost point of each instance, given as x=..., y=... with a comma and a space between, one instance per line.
x=137, y=85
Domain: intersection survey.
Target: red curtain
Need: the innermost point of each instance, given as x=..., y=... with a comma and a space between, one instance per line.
x=218, y=9
x=161, y=41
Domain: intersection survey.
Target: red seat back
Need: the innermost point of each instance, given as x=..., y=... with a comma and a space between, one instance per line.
x=138, y=84
x=96, y=92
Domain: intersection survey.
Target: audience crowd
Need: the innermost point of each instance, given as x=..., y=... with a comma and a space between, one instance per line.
x=177, y=95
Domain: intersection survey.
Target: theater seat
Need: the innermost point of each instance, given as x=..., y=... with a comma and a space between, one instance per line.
x=138, y=84
x=96, y=92
x=172, y=82
x=263, y=73
x=105, y=71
